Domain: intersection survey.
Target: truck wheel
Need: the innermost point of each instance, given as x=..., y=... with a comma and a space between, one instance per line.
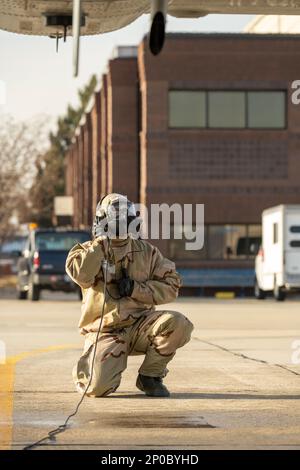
x=34, y=292
x=279, y=293
x=258, y=292
x=21, y=294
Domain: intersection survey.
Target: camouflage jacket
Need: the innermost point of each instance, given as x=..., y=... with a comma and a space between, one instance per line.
x=155, y=281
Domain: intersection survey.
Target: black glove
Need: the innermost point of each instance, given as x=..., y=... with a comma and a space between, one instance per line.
x=125, y=285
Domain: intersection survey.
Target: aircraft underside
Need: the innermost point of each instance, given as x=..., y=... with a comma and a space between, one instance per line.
x=30, y=16
x=60, y=18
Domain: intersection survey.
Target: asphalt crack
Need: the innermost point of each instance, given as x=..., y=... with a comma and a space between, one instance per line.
x=244, y=356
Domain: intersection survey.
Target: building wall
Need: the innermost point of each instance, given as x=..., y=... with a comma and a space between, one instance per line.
x=105, y=155
x=103, y=144
x=122, y=127
x=236, y=173
x=126, y=145
x=80, y=166
x=87, y=170
x=96, y=151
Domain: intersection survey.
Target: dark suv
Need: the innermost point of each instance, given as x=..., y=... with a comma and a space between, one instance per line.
x=42, y=263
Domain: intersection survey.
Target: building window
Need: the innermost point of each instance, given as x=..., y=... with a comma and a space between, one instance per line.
x=226, y=109
x=187, y=109
x=266, y=109
x=221, y=109
x=275, y=233
x=221, y=242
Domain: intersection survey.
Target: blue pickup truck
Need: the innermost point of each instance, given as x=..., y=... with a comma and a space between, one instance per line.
x=41, y=264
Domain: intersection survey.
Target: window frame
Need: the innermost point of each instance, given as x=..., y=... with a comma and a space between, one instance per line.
x=208, y=109
x=205, y=109
x=275, y=233
x=236, y=129
x=248, y=257
x=285, y=115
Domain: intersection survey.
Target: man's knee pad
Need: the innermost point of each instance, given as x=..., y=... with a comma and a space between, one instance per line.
x=180, y=330
x=181, y=321
x=187, y=327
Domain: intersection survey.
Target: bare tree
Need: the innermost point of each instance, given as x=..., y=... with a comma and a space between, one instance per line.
x=20, y=145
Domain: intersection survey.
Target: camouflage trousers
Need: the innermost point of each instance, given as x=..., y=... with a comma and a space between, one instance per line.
x=157, y=335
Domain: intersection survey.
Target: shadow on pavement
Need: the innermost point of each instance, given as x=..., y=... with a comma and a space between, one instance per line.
x=212, y=396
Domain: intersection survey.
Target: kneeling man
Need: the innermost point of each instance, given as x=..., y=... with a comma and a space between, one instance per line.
x=122, y=280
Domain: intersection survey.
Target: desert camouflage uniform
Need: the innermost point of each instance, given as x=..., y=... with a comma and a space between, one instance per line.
x=131, y=325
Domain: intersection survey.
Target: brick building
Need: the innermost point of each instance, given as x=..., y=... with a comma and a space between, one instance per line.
x=210, y=121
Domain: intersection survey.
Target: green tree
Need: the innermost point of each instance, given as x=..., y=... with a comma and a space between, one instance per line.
x=50, y=172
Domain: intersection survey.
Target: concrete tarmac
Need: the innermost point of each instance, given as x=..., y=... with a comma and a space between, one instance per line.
x=236, y=385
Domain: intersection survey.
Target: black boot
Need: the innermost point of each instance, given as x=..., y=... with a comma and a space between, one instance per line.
x=152, y=386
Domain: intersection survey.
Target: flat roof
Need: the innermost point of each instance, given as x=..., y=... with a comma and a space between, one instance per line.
x=244, y=36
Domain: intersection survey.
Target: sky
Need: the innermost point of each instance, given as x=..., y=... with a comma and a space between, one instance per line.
x=37, y=81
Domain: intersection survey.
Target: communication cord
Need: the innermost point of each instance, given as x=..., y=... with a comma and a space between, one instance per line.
x=60, y=429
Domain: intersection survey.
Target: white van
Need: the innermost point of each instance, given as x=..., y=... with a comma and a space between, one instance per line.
x=277, y=265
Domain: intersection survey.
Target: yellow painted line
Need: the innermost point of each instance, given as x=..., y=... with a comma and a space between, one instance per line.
x=37, y=352
x=7, y=379
x=6, y=405
x=224, y=295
